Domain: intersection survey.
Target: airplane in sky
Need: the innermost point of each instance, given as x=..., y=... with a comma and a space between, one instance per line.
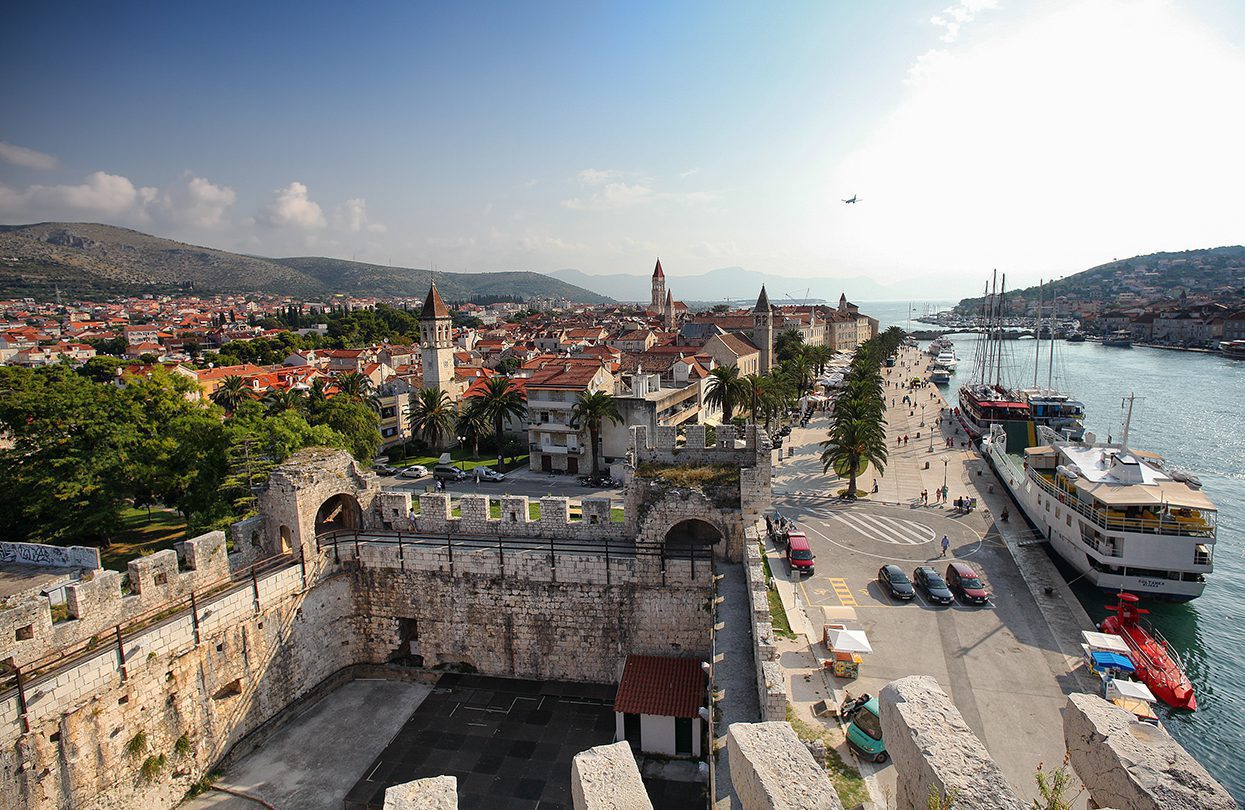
x=852, y=200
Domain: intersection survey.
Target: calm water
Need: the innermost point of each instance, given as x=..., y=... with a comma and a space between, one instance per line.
x=1189, y=410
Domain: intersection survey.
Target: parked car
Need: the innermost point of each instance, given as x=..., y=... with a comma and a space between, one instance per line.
x=799, y=553
x=895, y=582
x=448, y=472
x=488, y=474
x=964, y=583
x=414, y=471
x=384, y=469
x=935, y=588
x=864, y=734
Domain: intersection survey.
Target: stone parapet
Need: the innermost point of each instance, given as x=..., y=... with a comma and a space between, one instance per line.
x=772, y=770
x=607, y=778
x=435, y=793
x=935, y=751
x=1125, y=763
x=770, y=681
x=100, y=602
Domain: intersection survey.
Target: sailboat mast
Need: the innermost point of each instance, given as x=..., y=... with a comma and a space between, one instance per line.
x=990, y=322
x=1050, y=363
x=998, y=375
x=1128, y=418
x=1037, y=328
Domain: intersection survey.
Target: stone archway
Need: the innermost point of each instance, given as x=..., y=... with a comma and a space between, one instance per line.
x=689, y=534
x=340, y=512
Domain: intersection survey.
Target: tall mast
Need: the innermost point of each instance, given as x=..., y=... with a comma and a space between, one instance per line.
x=998, y=375
x=1128, y=417
x=1050, y=363
x=1037, y=334
x=990, y=325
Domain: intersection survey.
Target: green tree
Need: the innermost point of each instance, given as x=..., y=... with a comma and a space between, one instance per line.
x=473, y=425
x=591, y=409
x=858, y=425
x=352, y=384
x=725, y=390
x=280, y=400
x=102, y=368
x=788, y=344
x=357, y=423
x=432, y=416
x=500, y=401
x=231, y=393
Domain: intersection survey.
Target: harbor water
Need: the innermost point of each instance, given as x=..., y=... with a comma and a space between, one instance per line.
x=1190, y=409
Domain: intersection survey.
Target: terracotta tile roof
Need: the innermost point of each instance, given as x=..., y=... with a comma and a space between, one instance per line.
x=665, y=687
x=434, y=307
x=738, y=345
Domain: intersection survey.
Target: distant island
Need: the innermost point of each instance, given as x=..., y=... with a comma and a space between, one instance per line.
x=94, y=261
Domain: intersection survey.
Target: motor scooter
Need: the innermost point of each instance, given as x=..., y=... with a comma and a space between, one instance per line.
x=851, y=705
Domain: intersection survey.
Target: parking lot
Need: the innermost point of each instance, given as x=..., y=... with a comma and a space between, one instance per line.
x=998, y=662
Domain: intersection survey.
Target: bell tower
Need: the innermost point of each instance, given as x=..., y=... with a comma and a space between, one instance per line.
x=436, y=340
x=658, y=303
x=763, y=332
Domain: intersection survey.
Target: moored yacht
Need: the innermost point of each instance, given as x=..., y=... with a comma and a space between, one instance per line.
x=1123, y=518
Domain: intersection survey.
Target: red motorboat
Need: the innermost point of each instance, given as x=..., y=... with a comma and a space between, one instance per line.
x=1158, y=664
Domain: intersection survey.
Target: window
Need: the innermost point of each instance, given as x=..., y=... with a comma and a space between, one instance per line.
x=26, y=633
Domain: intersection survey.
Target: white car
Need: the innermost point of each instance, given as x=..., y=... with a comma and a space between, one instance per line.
x=414, y=471
x=487, y=474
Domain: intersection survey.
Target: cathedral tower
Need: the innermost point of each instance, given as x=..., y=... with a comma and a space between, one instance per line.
x=763, y=332
x=436, y=339
x=658, y=304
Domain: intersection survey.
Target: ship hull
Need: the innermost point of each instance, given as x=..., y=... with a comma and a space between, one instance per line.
x=1062, y=528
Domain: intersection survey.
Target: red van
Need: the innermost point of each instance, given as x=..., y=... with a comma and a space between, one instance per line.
x=799, y=553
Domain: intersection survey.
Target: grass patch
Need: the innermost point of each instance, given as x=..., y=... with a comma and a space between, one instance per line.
x=686, y=475
x=152, y=766
x=60, y=612
x=782, y=626
x=464, y=460
x=842, y=471
x=141, y=535
x=617, y=515
x=846, y=779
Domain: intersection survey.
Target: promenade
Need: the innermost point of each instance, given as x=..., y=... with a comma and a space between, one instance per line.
x=1007, y=665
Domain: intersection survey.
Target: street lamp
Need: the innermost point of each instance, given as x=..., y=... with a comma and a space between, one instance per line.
x=923, y=417
x=944, y=474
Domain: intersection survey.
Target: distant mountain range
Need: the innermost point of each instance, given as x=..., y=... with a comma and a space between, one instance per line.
x=1216, y=271
x=87, y=260
x=735, y=285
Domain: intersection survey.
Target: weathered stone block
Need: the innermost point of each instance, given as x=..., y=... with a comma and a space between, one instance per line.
x=1132, y=765
x=607, y=778
x=934, y=750
x=436, y=793
x=772, y=770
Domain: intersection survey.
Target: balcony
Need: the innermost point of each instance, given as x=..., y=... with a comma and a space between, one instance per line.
x=555, y=449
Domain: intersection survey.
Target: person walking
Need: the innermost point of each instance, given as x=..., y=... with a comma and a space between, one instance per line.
x=946, y=544
x=875, y=485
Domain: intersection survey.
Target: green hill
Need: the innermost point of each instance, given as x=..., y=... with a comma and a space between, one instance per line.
x=1208, y=271
x=94, y=261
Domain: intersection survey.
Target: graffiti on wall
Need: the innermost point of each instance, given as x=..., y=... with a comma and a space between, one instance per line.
x=49, y=556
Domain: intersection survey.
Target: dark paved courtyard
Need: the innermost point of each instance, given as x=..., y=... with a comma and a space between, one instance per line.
x=509, y=743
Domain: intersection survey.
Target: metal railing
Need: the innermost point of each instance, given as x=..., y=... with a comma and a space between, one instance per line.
x=1121, y=523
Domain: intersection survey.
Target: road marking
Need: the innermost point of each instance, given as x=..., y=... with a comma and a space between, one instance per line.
x=843, y=592
x=896, y=531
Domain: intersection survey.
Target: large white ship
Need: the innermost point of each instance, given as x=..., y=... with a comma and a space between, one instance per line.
x=1123, y=518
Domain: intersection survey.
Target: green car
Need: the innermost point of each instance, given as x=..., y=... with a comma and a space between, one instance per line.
x=864, y=734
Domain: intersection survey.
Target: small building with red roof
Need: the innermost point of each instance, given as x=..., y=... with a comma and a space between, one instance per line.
x=657, y=706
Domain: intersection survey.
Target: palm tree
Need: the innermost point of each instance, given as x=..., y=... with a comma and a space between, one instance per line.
x=500, y=401
x=353, y=384
x=852, y=442
x=473, y=425
x=788, y=344
x=317, y=395
x=280, y=401
x=231, y=393
x=755, y=386
x=800, y=369
x=725, y=390
x=819, y=356
x=432, y=418
x=591, y=409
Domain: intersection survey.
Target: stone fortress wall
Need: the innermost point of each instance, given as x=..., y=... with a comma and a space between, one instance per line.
x=169, y=666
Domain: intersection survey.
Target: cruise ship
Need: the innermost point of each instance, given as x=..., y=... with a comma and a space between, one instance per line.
x=1123, y=518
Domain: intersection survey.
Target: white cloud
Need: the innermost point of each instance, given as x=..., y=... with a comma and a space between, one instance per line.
x=293, y=208
x=596, y=177
x=102, y=196
x=26, y=158
x=198, y=203
x=352, y=216
x=611, y=196
x=953, y=18
x=1041, y=150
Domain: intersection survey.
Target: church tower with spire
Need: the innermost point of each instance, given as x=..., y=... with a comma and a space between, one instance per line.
x=436, y=339
x=658, y=304
x=763, y=332
x=667, y=315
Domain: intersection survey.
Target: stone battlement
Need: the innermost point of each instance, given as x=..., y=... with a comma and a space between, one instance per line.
x=109, y=598
x=741, y=447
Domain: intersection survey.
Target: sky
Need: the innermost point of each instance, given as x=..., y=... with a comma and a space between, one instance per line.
x=1040, y=138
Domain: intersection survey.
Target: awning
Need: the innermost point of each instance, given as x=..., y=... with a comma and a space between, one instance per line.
x=850, y=641
x=1110, y=660
x=1108, y=642
x=1129, y=689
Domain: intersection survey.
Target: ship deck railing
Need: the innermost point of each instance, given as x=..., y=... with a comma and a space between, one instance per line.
x=1193, y=526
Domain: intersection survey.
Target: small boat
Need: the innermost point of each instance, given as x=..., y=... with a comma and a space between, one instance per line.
x=1158, y=664
x=1232, y=348
x=1076, y=336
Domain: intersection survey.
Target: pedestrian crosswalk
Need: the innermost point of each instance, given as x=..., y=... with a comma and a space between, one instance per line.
x=897, y=531
x=843, y=592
